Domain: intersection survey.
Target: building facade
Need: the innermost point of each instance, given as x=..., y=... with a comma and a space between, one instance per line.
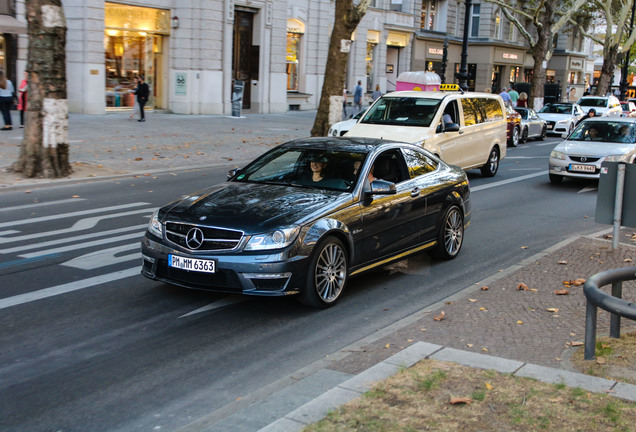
x=267, y=56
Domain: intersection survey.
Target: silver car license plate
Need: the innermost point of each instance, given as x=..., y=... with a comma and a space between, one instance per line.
x=583, y=168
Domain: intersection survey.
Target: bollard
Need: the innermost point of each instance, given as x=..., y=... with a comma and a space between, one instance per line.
x=618, y=204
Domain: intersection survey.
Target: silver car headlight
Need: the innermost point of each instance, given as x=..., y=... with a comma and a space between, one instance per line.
x=616, y=158
x=155, y=227
x=562, y=122
x=557, y=155
x=277, y=239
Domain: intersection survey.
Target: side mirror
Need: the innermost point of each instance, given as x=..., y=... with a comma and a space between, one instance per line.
x=382, y=187
x=232, y=173
x=451, y=127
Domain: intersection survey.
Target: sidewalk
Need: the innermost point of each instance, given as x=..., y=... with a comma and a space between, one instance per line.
x=113, y=144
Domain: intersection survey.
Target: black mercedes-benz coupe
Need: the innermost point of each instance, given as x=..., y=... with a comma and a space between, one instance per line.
x=307, y=215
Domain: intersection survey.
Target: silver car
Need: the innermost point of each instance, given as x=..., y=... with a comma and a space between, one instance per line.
x=593, y=142
x=532, y=126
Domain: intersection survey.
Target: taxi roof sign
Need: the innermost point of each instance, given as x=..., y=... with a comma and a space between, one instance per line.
x=449, y=87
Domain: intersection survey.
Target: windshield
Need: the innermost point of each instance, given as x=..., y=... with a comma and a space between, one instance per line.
x=403, y=111
x=608, y=131
x=593, y=102
x=557, y=109
x=305, y=167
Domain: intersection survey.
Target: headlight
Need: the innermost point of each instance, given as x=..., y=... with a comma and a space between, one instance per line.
x=155, y=227
x=562, y=122
x=557, y=155
x=616, y=158
x=278, y=239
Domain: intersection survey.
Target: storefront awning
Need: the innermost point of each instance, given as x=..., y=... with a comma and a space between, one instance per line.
x=8, y=24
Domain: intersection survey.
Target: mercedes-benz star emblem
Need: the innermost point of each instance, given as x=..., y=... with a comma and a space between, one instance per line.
x=194, y=238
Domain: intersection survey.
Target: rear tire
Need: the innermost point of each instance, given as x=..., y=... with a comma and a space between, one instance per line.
x=555, y=179
x=492, y=166
x=451, y=234
x=524, y=136
x=327, y=274
x=544, y=132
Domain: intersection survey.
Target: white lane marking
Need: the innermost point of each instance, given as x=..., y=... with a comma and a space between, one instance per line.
x=137, y=235
x=66, y=288
x=82, y=224
x=3, y=233
x=40, y=204
x=72, y=214
x=71, y=239
x=526, y=157
x=227, y=301
x=525, y=169
x=104, y=257
x=588, y=189
x=503, y=182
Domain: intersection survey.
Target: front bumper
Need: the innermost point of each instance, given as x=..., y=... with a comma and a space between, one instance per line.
x=273, y=274
x=565, y=168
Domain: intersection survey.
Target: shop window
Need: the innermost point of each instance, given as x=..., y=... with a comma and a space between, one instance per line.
x=471, y=68
x=3, y=67
x=293, y=53
x=498, y=25
x=514, y=74
x=369, y=66
x=396, y=5
x=429, y=14
x=474, y=20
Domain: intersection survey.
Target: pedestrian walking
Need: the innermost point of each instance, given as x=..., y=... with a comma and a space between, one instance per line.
x=142, y=93
x=505, y=96
x=523, y=100
x=514, y=96
x=7, y=92
x=22, y=97
x=376, y=93
x=344, y=103
x=357, y=98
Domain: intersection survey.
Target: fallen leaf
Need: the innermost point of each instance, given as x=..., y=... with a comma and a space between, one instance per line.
x=482, y=309
x=627, y=260
x=576, y=343
x=578, y=282
x=472, y=300
x=524, y=247
x=409, y=340
x=139, y=159
x=75, y=196
x=563, y=262
x=484, y=288
x=533, y=289
x=469, y=345
x=458, y=401
x=520, y=322
x=553, y=310
x=522, y=287
x=440, y=317
x=387, y=345
x=600, y=360
x=489, y=386
x=562, y=292
x=484, y=349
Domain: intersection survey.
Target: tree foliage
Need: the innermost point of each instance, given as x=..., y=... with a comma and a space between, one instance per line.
x=538, y=21
x=45, y=150
x=346, y=18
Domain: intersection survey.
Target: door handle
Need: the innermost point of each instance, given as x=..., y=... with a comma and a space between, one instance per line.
x=415, y=192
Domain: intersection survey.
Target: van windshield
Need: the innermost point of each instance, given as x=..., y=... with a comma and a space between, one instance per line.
x=402, y=111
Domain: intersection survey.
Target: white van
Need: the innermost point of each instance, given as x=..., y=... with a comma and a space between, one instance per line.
x=464, y=129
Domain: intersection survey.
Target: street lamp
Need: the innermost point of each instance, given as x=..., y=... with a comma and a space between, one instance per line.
x=625, y=71
x=462, y=75
x=444, y=60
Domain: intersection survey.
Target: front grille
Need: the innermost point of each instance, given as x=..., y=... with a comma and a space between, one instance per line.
x=214, y=239
x=222, y=279
x=587, y=159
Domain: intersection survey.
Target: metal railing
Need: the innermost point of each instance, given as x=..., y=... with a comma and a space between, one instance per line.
x=612, y=303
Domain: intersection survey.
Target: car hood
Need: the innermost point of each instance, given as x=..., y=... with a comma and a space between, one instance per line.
x=252, y=208
x=593, y=148
x=343, y=125
x=408, y=134
x=555, y=117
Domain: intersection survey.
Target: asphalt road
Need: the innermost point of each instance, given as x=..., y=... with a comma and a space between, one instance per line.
x=86, y=343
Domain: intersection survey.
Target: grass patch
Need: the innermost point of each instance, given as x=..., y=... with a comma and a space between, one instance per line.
x=419, y=399
x=615, y=358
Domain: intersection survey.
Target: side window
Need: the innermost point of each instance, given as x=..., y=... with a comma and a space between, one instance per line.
x=493, y=110
x=418, y=163
x=389, y=166
x=450, y=113
x=472, y=111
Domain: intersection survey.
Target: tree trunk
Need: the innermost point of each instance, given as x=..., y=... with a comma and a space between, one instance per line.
x=347, y=17
x=607, y=72
x=45, y=150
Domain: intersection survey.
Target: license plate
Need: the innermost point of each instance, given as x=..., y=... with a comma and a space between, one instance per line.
x=583, y=168
x=192, y=264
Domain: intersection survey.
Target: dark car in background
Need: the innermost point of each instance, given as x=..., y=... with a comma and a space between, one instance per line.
x=305, y=216
x=513, y=131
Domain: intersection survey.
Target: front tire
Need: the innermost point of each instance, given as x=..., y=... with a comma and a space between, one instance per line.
x=514, y=139
x=492, y=166
x=451, y=234
x=543, y=133
x=327, y=275
x=524, y=136
x=555, y=179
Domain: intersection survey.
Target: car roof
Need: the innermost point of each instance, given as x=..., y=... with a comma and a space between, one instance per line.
x=436, y=94
x=353, y=144
x=605, y=120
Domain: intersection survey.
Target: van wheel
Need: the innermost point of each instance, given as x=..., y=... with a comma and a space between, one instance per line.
x=492, y=166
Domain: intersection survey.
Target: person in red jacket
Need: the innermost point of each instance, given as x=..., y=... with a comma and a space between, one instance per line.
x=22, y=97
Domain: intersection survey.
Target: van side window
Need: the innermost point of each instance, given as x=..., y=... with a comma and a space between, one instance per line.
x=473, y=111
x=450, y=113
x=493, y=110
x=418, y=163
